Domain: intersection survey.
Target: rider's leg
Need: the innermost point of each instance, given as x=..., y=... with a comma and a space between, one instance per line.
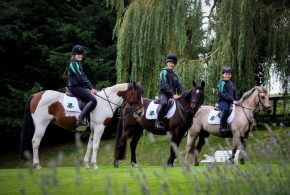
x=224, y=107
x=161, y=111
x=87, y=96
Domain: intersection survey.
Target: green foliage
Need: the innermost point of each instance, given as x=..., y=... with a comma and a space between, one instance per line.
x=148, y=31
x=240, y=34
x=36, y=41
x=12, y=107
x=247, y=33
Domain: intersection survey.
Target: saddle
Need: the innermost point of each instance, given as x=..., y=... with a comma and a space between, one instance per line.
x=215, y=115
x=72, y=103
x=151, y=112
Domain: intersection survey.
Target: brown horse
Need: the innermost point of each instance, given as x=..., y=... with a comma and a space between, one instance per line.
x=240, y=126
x=177, y=125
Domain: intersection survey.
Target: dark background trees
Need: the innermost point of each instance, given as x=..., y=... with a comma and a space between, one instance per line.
x=35, y=45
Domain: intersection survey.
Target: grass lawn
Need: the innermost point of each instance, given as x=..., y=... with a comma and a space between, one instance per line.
x=267, y=169
x=209, y=179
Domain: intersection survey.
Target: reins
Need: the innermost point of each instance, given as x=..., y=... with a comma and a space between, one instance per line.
x=252, y=109
x=119, y=106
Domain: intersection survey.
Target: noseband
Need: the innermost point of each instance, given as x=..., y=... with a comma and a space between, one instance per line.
x=261, y=103
x=134, y=109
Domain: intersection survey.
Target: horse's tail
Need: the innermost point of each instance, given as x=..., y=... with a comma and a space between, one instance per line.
x=120, y=148
x=27, y=131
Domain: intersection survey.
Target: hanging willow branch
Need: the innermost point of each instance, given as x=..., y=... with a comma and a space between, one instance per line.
x=149, y=31
x=250, y=32
x=247, y=32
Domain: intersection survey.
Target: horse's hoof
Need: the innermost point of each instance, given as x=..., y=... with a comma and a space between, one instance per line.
x=38, y=167
x=232, y=160
x=86, y=165
x=242, y=161
x=134, y=164
x=95, y=166
x=116, y=164
x=170, y=165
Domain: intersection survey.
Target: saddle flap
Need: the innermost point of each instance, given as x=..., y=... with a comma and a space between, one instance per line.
x=151, y=112
x=214, y=116
x=71, y=104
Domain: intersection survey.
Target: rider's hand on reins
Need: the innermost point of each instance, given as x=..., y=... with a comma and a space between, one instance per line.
x=176, y=97
x=94, y=91
x=236, y=103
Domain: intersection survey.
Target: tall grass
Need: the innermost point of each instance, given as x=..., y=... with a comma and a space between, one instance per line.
x=267, y=170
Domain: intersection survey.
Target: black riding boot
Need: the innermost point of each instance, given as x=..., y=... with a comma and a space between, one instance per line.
x=80, y=121
x=159, y=124
x=224, y=124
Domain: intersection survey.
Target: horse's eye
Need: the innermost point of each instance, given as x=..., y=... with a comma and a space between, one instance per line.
x=263, y=97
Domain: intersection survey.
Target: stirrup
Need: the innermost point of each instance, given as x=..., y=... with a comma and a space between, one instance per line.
x=224, y=131
x=160, y=125
x=82, y=123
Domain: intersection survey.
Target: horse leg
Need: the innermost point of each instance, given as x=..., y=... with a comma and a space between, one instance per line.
x=88, y=152
x=200, y=144
x=98, y=132
x=243, y=154
x=175, y=141
x=190, y=148
x=40, y=128
x=121, y=144
x=232, y=158
x=133, y=145
x=237, y=144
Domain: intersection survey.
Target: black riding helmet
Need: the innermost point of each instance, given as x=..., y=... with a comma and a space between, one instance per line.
x=78, y=49
x=227, y=69
x=171, y=58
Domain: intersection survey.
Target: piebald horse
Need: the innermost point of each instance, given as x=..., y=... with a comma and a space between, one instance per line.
x=240, y=127
x=45, y=106
x=186, y=106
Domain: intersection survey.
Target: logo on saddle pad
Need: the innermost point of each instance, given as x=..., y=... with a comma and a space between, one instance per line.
x=151, y=112
x=214, y=116
x=71, y=104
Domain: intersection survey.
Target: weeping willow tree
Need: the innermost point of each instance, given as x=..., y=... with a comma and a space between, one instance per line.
x=244, y=35
x=247, y=34
x=148, y=30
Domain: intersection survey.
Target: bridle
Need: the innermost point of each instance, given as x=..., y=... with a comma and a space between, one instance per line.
x=131, y=109
x=191, y=109
x=259, y=103
x=253, y=109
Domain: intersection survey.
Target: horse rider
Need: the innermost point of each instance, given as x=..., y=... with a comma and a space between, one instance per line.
x=227, y=95
x=169, y=87
x=80, y=85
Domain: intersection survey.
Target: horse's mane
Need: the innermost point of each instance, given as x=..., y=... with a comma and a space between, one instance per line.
x=119, y=87
x=251, y=91
x=186, y=95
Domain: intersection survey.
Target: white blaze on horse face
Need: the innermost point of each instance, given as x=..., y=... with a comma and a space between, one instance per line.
x=197, y=91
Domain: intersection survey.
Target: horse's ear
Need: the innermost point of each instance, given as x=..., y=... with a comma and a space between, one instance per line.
x=193, y=84
x=134, y=84
x=202, y=84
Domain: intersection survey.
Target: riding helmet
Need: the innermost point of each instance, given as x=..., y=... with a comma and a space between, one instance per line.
x=227, y=69
x=77, y=49
x=171, y=58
